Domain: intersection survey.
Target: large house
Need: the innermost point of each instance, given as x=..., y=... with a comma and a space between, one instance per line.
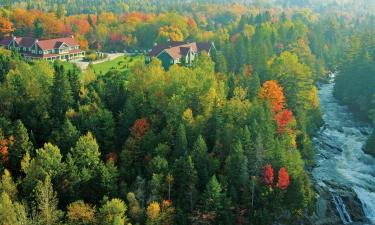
x=64, y=49
x=178, y=52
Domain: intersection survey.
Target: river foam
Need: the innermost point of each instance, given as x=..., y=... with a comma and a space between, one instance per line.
x=340, y=156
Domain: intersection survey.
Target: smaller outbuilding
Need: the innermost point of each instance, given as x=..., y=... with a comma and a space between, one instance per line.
x=182, y=53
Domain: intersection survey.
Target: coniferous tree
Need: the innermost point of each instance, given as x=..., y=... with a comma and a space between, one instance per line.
x=21, y=144
x=62, y=97
x=181, y=145
x=201, y=161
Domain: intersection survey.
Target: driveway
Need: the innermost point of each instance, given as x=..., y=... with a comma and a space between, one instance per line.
x=111, y=56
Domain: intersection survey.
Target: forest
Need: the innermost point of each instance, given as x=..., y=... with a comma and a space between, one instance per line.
x=225, y=141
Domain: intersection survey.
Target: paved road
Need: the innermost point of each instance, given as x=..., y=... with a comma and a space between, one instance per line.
x=111, y=56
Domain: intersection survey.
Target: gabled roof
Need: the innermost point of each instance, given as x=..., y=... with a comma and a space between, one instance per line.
x=184, y=50
x=56, y=43
x=161, y=47
x=178, y=49
x=6, y=41
x=25, y=41
x=49, y=44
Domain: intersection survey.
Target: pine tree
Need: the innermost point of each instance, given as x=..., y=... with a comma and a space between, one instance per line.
x=75, y=83
x=213, y=198
x=236, y=170
x=185, y=178
x=65, y=137
x=21, y=145
x=200, y=158
x=181, y=145
x=62, y=97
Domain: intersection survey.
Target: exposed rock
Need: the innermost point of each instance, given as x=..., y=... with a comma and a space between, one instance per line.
x=326, y=212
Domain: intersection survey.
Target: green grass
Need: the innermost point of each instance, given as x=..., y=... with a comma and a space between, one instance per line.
x=67, y=65
x=121, y=63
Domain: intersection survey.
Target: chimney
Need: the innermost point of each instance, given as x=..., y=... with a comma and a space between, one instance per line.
x=14, y=37
x=72, y=36
x=36, y=40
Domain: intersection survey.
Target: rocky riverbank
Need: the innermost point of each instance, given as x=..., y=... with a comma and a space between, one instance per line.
x=328, y=208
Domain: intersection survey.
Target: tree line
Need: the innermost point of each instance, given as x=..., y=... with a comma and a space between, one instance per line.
x=225, y=141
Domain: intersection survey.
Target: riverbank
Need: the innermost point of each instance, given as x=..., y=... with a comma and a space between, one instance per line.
x=343, y=176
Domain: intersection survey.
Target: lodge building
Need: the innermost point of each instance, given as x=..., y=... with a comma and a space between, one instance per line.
x=64, y=49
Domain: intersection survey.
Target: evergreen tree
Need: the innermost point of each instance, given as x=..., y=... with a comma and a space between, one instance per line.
x=21, y=145
x=200, y=158
x=213, y=199
x=185, y=178
x=236, y=170
x=61, y=98
x=75, y=83
x=181, y=145
x=65, y=137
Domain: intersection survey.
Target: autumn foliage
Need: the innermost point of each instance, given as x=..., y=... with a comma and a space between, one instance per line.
x=140, y=128
x=272, y=92
x=6, y=27
x=283, y=119
x=268, y=175
x=283, y=179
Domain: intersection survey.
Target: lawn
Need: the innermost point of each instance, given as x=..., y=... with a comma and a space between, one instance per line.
x=121, y=63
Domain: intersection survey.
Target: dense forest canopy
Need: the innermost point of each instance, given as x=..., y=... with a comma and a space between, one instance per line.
x=227, y=140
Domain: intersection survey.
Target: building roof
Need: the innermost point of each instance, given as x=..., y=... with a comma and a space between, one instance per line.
x=25, y=41
x=43, y=44
x=160, y=47
x=178, y=49
x=56, y=43
x=5, y=41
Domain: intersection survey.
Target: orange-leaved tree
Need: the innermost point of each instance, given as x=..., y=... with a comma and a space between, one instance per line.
x=272, y=92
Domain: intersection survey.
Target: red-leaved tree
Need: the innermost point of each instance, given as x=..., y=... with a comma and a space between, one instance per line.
x=268, y=175
x=283, y=119
x=283, y=181
x=140, y=128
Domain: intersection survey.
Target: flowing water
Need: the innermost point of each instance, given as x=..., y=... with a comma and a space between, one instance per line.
x=340, y=156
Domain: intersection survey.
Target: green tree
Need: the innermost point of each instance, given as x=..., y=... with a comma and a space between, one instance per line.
x=201, y=161
x=8, y=215
x=213, y=198
x=47, y=203
x=8, y=186
x=47, y=163
x=181, y=145
x=185, y=178
x=65, y=137
x=135, y=210
x=20, y=146
x=113, y=212
x=62, y=97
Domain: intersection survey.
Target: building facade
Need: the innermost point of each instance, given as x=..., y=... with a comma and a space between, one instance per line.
x=64, y=49
x=181, y=53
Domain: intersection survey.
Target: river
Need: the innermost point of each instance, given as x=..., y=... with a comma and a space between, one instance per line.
x=340, y=158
